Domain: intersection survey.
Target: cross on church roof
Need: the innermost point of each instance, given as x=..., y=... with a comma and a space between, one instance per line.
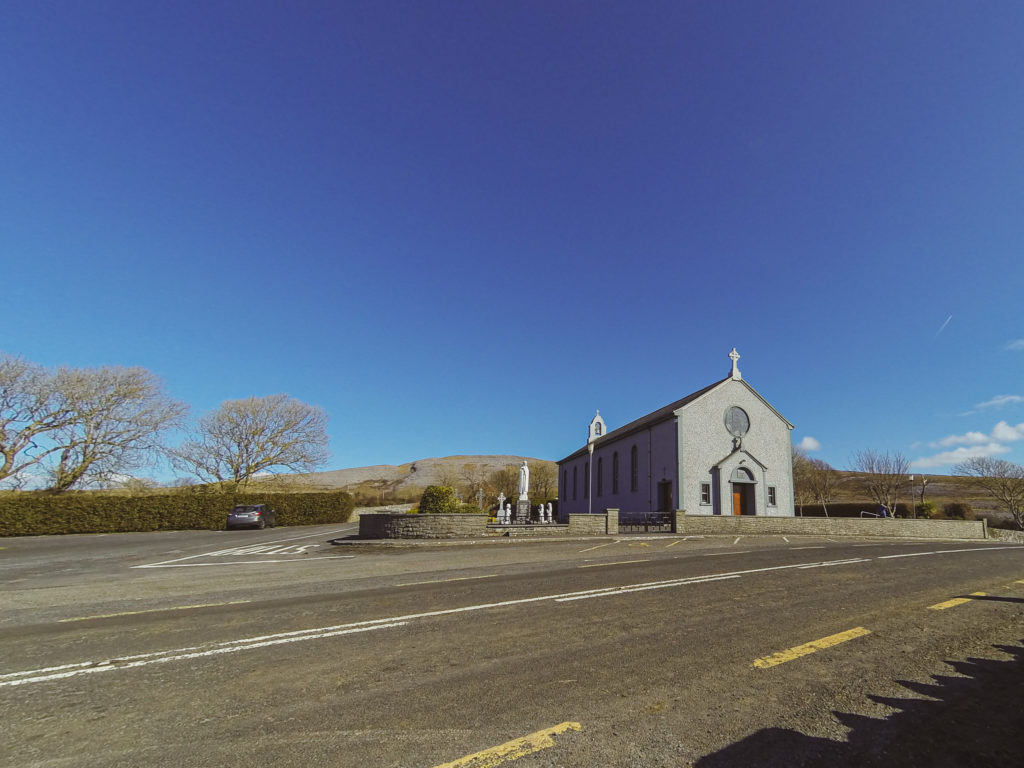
x=735, y=357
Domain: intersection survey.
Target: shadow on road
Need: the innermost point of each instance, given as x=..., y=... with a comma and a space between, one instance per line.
x=975, y=720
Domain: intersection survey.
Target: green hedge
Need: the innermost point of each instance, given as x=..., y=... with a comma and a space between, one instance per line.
x=29, y=513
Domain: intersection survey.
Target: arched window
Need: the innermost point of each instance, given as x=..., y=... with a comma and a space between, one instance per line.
x=600, y=476
x=597, y=429
x=574, y=484
x=565, y=483
x=634, y=469
x=615, y=473
x=586, y=480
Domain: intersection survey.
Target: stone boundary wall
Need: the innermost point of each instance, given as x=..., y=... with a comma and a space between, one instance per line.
x=399, y=525
x=830, y=526
x=1016, y=537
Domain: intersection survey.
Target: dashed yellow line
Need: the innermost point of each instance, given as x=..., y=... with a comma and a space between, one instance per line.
x=620, y=562
x=445, y=581
x=815, y=645
x=674, y=543
x=153, y=610
x=512, y=750
x=954, y=602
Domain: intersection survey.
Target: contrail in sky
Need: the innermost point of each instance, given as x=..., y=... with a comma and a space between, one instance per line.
x=943, y=326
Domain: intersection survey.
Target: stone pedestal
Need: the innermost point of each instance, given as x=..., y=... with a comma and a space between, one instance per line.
x=522, y=511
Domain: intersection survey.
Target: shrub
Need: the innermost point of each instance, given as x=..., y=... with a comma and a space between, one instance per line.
x=926, y=510
x=958, y=510
x=469, y=509
x=33, y=513
x=438, y=500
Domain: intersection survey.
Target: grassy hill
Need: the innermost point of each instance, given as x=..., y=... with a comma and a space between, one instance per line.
x=404, y=482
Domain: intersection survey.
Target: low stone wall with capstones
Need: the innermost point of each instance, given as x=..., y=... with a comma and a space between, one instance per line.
x=392, y=525
x=743, y=525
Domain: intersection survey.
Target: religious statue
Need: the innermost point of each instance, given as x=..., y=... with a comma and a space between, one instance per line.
x=524, y=482
x=551, y=518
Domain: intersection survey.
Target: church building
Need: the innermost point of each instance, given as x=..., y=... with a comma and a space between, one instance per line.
x=723, y=450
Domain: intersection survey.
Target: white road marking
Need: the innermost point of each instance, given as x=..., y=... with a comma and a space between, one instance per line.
x=247, y=562
x=160, y=657
x=716, y=554
x=979, y=548
x=838, y=562
x=268, y=548
x=818, y=547
x=599, y=546
x=737, y=540
x=785, y=539
x=88, y=667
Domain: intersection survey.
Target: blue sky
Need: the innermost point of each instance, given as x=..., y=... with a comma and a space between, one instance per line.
x=460, y=227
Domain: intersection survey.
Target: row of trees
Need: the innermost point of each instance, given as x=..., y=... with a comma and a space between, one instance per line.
x=78, y=427
x=885, y=475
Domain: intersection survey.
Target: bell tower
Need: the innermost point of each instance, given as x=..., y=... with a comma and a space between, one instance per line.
x=596, y=429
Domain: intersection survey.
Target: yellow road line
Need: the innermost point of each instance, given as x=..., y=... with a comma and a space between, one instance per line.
x=815, y=645
x=154, y=610
x=599, y=546
x=444, y=581
x=954, y=602
x=639, y=544
x=674, y=543
x=512, y=750
x=620, y=562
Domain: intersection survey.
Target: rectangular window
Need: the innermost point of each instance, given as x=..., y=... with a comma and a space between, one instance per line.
x=600, y=477
x=771, y=495
x=705, y=493
x=586, y=480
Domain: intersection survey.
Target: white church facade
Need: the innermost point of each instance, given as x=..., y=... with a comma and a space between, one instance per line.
x=723, y=450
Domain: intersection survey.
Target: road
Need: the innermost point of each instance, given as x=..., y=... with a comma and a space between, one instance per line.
x=278, y=648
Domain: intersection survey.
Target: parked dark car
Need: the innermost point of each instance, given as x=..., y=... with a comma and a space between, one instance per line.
x=251, y=516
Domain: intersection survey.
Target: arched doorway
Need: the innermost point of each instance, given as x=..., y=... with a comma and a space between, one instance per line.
x=743, y=487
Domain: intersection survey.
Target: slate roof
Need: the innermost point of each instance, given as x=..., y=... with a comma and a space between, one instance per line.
x=662, y=414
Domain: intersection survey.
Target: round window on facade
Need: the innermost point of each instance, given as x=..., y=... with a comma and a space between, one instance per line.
x=737, y=421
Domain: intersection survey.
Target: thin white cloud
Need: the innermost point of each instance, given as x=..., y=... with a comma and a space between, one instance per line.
x=1001, y=433
x=943, y=326
x=971, y=438
x=948, y=458
x=1016, y=345
x=1006, y=433
x=1001, y=400
x=809, y=444
x=970, y=445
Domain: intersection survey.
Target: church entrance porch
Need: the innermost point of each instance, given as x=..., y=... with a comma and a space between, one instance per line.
x=743, y=485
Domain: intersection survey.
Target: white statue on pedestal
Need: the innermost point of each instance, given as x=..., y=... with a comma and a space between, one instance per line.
x=551, y=519
x=524, y=482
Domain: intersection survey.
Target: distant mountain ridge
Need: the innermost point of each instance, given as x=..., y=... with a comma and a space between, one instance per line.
x=415, y=475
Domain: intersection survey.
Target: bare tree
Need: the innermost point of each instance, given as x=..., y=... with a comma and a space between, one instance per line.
x=544, y=479
x=506, y=480
x=258, y=434
x=29, y=410
x=883, y=474
x=79, y=426
x=1002, y=480
x=823, y=482
x=118, y=418
x=803, y=492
